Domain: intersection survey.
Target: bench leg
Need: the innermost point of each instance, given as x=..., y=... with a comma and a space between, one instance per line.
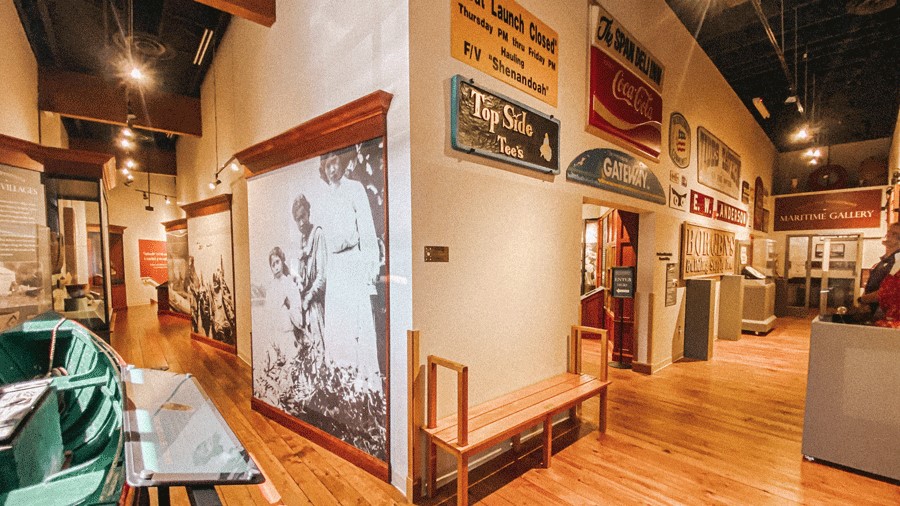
x=462, y=480
x=517, y=443
x=603, y=411
x=432, y=467
x=548, y=440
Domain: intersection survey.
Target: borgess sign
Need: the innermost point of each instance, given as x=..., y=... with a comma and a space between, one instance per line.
x=706, y=251
x=491, y=125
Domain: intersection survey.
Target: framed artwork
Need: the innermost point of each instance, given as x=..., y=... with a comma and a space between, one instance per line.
x=837, y=250
x=319, y=265
x=210, y=272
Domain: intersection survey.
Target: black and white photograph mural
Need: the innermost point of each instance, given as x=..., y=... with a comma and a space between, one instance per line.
x=210, y=277
x=177, y=260
x=319, y=299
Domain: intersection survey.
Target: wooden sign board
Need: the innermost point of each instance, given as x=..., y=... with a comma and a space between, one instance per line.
x=706, y=251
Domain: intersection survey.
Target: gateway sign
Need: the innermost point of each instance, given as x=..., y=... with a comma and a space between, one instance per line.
x=618, y=172
x=826, y=211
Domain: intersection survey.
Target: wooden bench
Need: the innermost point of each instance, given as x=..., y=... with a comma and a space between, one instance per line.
x=477, y=428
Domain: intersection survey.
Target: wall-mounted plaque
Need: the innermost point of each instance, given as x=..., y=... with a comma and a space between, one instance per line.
x=759, y=201
x=718, y=167
x=706, y=251
x=730, y=214
x=701, y=204
x=625, y=84
x=617, y=172
x=839, y=210
x=507, y=42
x=490, y=125
x=679, y=140
x=671, y=284
x=678, y=199
x=745, y=192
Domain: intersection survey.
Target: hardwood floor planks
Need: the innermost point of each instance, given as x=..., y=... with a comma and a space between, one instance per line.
x=725, y=431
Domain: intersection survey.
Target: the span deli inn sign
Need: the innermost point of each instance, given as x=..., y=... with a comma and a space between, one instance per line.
x=824, y=211
x=706, y=251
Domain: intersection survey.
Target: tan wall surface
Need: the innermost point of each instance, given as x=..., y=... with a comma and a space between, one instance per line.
x=18, y=73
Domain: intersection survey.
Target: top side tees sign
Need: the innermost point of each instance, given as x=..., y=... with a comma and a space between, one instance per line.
x=505, y=41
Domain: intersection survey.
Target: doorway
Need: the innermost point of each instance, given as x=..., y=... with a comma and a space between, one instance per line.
x=822, y=272
x=609, y=240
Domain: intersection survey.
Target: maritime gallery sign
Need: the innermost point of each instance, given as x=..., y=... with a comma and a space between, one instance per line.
x=827, y=211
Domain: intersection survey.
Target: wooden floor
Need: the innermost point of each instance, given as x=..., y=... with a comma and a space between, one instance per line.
x=726, y=431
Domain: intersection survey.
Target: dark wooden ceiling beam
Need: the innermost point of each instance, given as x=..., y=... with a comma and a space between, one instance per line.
x=258, y=11
x=91, y=98
x=148, y=158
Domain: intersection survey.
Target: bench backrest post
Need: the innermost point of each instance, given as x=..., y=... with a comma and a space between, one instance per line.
x=575, y=349
x=462, y=395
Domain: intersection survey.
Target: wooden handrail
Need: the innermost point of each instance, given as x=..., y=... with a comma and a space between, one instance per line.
x=462, y=396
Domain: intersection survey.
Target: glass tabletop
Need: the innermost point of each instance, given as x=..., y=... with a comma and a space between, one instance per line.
x=175, y=436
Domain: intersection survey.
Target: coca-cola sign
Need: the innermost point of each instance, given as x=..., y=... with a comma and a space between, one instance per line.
x=624, y=106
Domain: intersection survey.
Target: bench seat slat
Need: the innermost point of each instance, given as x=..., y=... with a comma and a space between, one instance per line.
x=501, y=422
x=502, y=406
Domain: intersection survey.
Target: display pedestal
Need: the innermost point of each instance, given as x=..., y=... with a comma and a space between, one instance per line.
x=699, y=300
x=853, y=398
x=759, y=306
x=731, y=291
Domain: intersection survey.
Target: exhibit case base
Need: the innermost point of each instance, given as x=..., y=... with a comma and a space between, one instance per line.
x=853, y=398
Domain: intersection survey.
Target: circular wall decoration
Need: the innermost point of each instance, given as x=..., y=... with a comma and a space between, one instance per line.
x=827, y=177
x=679, y=140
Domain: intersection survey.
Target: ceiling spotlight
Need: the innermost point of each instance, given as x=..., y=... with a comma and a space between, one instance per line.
x=136, y=74
x=761, y=107
x=130, y=177
x=814, y=161
x=128, y=132
x=802, y=134
x=168, y=201
x=130, y=163
x=213, y=184
x=799, y=107
x=126, y=144
x=235, y=167
x=125, y=171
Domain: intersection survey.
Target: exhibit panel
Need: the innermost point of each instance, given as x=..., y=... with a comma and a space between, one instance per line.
x=24, y=247
x=210, y=272
x=177, y=259
x=318, y=274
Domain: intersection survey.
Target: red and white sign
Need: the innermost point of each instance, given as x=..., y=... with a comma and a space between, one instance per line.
x=153, y=260
x=825, y=211
x=701, y=204
x=730, y=214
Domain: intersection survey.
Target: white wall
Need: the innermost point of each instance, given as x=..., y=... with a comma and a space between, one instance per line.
x=18, y=73
x=511, y=288
x=126, y=209
x=316, y=57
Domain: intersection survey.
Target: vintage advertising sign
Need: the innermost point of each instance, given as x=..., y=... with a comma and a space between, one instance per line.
x=490, y=125
x=821, y=211
x=503, y=40
x=624, y=100
x=745, y=192
x=153, y=260
x=718, y=167
x=615, y=41
x=706, y=251
x=759, y=201
x=679, y=140
x=701, y=204
x=617, y=172
x=678, y=199
x=730, y=214
x=624, y=106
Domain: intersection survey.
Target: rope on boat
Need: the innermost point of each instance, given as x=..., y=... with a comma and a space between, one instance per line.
x=53, y=345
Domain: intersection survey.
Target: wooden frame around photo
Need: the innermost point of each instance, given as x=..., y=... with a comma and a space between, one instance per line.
x=358, y=121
